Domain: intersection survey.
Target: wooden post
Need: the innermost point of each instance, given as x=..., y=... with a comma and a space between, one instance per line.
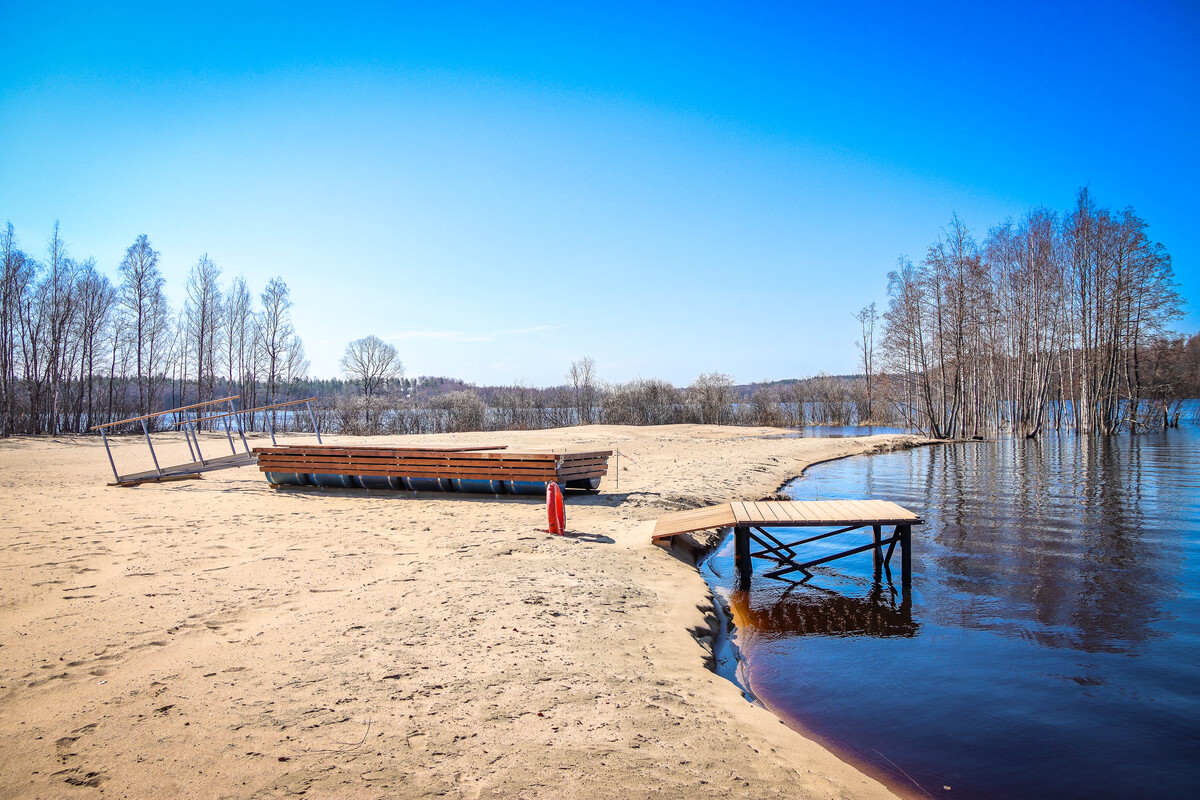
x=877, y=553
x=905, y=533
x=741, y=556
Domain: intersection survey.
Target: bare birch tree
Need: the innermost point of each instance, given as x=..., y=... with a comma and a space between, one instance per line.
x=141, y=299
x=275, y=332
x=203, y=319
x=584, y=391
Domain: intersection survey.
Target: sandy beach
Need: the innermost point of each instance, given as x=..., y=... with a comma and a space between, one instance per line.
x=216, y=638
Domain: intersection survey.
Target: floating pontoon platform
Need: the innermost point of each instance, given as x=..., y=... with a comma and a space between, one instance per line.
x=488, y=470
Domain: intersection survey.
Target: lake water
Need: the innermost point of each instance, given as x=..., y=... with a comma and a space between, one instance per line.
x=1052, y=646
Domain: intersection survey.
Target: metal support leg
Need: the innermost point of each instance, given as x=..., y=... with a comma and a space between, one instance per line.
x=241, y=432
x=188, y=438
x=146, y=431
x=229, y=436
x=741, y=557
x=196, y=438
x=905, y=534
x=271, y=428
x=108, y=450
x=313, y=417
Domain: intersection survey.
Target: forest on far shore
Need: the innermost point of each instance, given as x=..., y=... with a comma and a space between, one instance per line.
x=1055, y=321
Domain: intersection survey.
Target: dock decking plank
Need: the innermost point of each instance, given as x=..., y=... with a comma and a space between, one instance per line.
x=787, y=513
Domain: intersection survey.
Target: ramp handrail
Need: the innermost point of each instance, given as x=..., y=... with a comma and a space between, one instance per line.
x=246, y=411
x=168, y=411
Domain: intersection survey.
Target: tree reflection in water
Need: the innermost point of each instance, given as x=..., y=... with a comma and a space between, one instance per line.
x=1052, y=643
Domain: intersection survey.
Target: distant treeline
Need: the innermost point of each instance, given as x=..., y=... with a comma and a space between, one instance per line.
x=1051, y=322
x=1054, y=321
x=712, y=398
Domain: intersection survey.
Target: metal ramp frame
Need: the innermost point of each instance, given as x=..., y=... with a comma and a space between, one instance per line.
x=188, y=425
x=750, y=521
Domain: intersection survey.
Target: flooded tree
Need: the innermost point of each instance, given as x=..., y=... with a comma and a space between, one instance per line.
x=867, y=318
x=1047, y=321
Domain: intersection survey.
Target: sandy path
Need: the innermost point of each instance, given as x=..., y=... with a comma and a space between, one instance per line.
x=215, y=638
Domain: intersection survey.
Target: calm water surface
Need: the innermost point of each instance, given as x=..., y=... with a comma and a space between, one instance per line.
x=1052, y=648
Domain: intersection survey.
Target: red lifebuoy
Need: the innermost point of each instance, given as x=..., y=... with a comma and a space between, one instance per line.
x=555, y=512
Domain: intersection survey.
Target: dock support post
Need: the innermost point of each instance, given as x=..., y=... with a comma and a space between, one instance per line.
x=905, y=534
x=877, y=553
x=108, y=450
x=146, y=431
x=741, y=556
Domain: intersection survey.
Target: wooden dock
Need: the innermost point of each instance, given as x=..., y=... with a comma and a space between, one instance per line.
x=751, y=521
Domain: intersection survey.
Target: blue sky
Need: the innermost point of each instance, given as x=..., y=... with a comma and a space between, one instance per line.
x=670, y=189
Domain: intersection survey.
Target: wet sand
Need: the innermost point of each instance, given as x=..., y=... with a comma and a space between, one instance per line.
x=216, y=638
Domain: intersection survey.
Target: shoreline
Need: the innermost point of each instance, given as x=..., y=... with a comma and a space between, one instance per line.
x=725, y=635
x=366, y=645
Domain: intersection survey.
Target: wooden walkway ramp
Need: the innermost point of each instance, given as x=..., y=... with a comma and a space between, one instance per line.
x=757, y=522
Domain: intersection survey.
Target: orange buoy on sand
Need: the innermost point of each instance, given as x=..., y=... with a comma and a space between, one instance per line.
x=555, y=512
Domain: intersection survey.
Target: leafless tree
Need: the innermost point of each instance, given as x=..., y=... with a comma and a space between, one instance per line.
x=464, y=411
x=16, y=279
x=238, y=322
x=711, y=395
x=60, y=309
x=275, y=332
x=142, y=300
x=203, y=317
x=644, y=401
x=1048, y=321
x=372, y=363
x=584, y=390
x=867, y=317
x=765, y=408
x=97, y=299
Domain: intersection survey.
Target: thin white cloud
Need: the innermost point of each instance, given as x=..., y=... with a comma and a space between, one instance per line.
x=464, y=336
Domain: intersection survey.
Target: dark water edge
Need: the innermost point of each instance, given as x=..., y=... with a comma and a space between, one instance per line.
x=1053, y=644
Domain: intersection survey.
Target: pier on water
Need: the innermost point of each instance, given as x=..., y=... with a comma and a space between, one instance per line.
x=751, y=520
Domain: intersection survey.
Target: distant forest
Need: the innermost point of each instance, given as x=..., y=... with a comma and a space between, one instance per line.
x=1052, y=322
